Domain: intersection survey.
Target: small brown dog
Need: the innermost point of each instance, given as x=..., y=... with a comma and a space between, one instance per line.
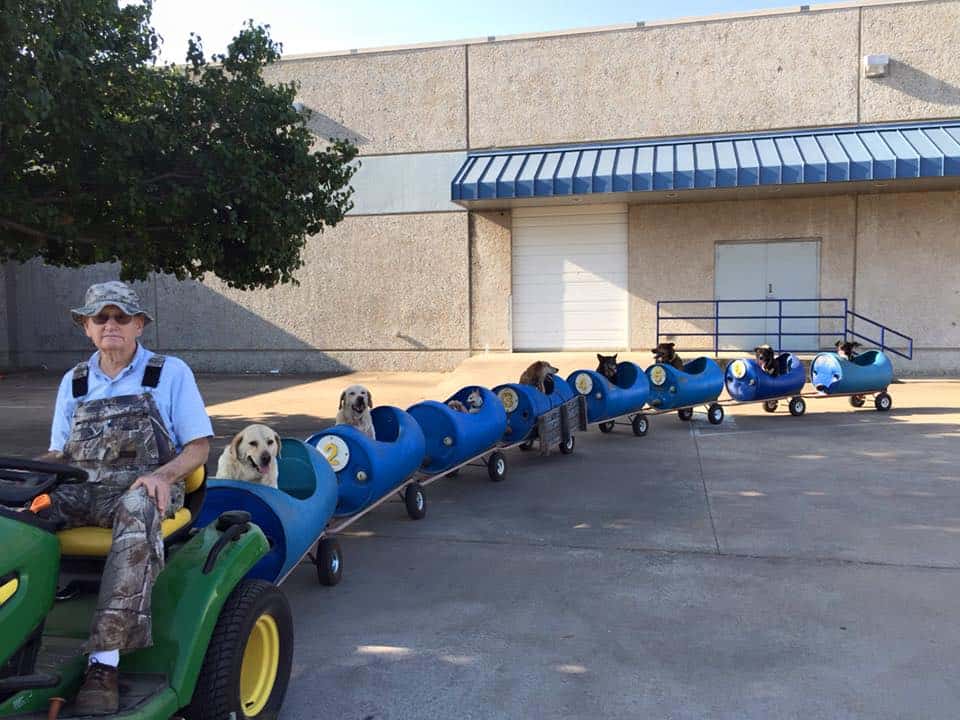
x=665, y=354
x=847, y=349
x=607, y=366
x=251, y=456
x=354, y=410
x=538, y=375
x=767, y=359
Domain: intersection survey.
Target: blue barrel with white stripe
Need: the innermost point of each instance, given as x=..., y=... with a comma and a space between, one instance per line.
x=870, y=371
x=628, y=393
x=699, y=382
x=368, y=469
x=453, y=437
x=746, y=381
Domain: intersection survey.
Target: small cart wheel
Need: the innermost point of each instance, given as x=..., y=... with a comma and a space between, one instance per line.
x=857, y=400
x=329, y=562
x=715, y=414
x=415, y=500
x=770, y=406
x=497, y=466
x=567, y=446
x=798, y=406
x=607, y=427
x=640, y=425
x=526, y=445
x=883, y=402
x=685, y=414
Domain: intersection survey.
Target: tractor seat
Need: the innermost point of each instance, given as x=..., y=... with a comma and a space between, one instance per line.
x=96, y=541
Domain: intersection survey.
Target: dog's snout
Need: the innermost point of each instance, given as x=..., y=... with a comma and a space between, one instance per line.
x=264, y=458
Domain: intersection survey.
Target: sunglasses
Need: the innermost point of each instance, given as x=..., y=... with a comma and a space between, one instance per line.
x=119, y=318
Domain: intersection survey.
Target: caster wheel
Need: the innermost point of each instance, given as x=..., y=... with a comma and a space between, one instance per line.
x=715, y=414
x=497, y=466
x=567, y=446
x=415, y=500
x=857, y=401
x=329, y=562
x=883, y=402
x=798, y=406
x=607, y=427
x=685, y=414
x=770, y=406
x=640, y=425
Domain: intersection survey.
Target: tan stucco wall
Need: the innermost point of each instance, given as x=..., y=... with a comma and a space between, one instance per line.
x=411, y=101
x=672, y=251
x=386, y=292
x=908, y=271
x=490, y=279
x=924, y=79
x=726, y=76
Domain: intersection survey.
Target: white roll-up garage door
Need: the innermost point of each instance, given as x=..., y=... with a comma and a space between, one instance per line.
x=570, y=278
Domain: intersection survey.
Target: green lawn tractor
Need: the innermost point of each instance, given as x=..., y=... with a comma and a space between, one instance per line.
x=223, y=644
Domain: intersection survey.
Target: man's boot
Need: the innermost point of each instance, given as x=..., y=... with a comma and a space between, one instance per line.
x=100, y=693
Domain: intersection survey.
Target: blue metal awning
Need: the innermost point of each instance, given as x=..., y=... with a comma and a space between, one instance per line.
x=828, y=155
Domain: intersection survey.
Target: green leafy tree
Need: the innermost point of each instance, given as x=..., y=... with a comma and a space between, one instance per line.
x=106, y=156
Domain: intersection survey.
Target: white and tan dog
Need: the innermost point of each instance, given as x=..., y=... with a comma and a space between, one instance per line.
x=251, y=456
x=355, y=404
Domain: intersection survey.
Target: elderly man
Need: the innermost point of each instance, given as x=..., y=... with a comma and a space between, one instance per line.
x=136, y=422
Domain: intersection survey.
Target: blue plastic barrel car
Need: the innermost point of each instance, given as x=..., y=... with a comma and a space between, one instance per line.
x=699, y=383
x=454, y=437
x=606, y=400
x=525, y=404
x=368, y=470
x=869, y=372
x=292, y=517
x=747, y=382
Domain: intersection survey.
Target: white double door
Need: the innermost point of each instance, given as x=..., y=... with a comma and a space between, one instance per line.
x=773, y=273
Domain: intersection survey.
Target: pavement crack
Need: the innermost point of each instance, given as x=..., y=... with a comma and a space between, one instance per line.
x=706, y=495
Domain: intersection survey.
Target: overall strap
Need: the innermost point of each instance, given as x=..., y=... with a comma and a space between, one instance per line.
x=151, y=374
x=80, y=380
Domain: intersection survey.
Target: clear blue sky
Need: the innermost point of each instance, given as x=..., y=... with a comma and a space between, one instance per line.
x=307, y=26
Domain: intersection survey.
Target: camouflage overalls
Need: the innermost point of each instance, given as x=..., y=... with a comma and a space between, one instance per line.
x=118, y=440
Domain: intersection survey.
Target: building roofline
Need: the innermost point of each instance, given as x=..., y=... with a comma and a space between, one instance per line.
x=601, y=29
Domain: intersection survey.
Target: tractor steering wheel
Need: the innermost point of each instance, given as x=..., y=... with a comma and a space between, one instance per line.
x=21, y=480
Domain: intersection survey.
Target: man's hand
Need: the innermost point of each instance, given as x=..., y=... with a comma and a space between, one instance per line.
x=158, y=488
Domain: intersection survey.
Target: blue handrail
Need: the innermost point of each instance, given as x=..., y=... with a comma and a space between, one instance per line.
x=902, y=344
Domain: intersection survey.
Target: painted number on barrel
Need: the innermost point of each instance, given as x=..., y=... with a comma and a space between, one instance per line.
x=583, y=384
x=335, y=450
x=509, y=398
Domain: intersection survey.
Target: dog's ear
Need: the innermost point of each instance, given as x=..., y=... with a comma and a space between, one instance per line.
x=343, y=399
x=369, y=399
x=599, y=357
x=276, y=439
x=235, y=444
x=838, y=343
x=614, y=358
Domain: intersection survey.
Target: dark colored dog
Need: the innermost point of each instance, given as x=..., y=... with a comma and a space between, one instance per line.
x=767, y=359
x=607, y=366
x=847, y=349
x=665, y=354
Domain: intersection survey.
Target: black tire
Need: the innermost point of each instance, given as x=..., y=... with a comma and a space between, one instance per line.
x=415, y=500
x=526, y=445
x=883, y=402
x=567, y=446
x=218, y=691
x=640, y=425
x=496, y=466
x=329, y=561
x=858, y=401
x=770, y=406
x=798, y=406
x=715, y=414
x=685, y=414
x=607, y=427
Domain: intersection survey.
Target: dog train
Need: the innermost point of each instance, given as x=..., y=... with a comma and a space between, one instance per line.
x=303, y=493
